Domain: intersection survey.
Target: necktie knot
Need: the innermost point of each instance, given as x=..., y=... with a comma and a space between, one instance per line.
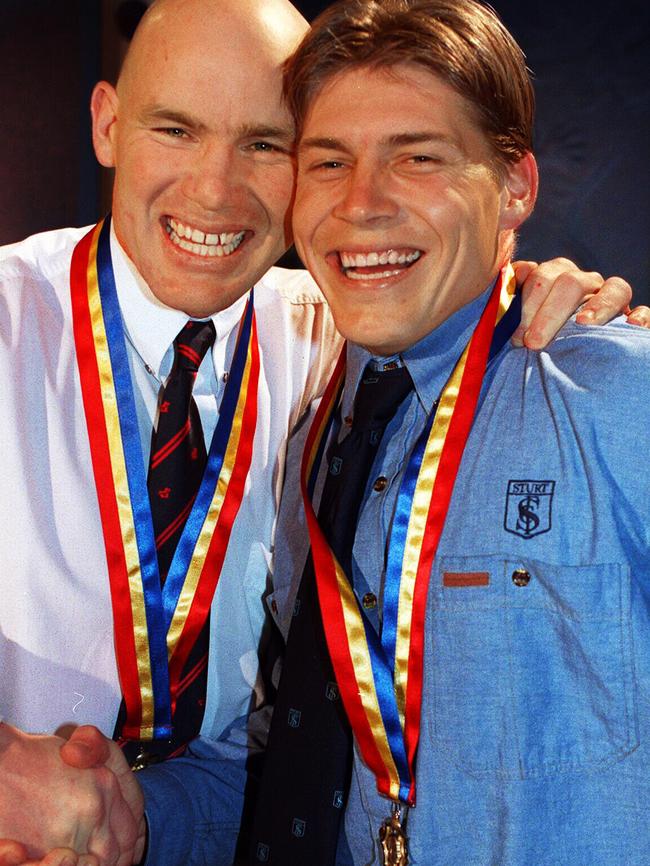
x=378, y=396
x=192, y=343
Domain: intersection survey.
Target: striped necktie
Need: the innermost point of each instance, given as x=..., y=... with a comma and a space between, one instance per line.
x=176, y=465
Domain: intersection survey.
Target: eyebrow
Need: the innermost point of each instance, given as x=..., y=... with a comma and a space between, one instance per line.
x=401, y=139
x=170, y=115
x=252, y=130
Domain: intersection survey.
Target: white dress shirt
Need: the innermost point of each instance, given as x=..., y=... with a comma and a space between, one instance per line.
x=56, y=625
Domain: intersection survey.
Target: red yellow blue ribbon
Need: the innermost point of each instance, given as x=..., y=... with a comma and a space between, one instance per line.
x=380, y=679
x=155, y=628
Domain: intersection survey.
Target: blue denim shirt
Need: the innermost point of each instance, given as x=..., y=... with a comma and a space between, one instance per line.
x=535, y=715
x=535, y=718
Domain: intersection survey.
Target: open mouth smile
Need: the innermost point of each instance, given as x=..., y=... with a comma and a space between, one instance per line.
x=193, y=240
x=377, y=264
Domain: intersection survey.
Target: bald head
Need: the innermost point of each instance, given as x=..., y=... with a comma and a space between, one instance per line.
x=246, y=31
x=202, y=145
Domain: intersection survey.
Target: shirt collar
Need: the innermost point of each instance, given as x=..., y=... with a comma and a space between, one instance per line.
x=430, y=361
x=150, y=326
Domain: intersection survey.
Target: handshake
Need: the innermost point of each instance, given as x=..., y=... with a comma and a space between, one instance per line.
x=68, y=802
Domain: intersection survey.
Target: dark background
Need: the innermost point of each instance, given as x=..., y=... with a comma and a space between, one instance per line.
x=592, y=81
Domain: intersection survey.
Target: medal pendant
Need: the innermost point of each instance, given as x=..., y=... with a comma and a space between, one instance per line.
x=392, y=839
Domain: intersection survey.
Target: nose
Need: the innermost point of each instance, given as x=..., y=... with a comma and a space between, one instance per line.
x=366, y=197
x=215, y=177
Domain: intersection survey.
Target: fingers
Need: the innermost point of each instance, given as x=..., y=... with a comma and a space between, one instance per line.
x=87, y=747
x=15, y=854
x=127, y=780
x=551, y=293
x=640, y=316
x=611, y=299
x=141, y=841
x=12, y=853
x=522, y=271
x=115, y=834
x=65, y=857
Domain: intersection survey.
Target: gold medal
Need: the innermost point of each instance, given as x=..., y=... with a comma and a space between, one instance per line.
x=392, y=839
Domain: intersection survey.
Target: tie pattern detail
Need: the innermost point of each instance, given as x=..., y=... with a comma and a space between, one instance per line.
x=308, y=762
x=178, y=453
x=176, y=465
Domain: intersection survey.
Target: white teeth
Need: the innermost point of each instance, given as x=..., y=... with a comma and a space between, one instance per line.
x=379, y=276
x=200, y=243
x=386, y=257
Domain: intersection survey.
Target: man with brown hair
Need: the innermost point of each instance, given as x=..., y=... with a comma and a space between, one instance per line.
x=478, y=575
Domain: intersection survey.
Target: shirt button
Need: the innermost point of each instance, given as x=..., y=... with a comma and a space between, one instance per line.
x=348, y=420
x=520, y=577
x=225, y=376
x=380, y=483
x=369, y=601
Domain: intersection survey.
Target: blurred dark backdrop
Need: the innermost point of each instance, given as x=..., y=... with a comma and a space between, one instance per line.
x=592, y=137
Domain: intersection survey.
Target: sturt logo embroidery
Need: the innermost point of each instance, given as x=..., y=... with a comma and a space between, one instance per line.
x=298, y=828
x=529, y=507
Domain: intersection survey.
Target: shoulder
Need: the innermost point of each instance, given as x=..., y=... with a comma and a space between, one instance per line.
x=598, y=375
x=45, y=254
x=296, y=332
x=294, y=306
x=599, y=356
x=292, y=286
x=36, y=271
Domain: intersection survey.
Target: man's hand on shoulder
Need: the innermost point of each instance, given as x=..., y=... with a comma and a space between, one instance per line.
x=78, y=795
x=553, y=291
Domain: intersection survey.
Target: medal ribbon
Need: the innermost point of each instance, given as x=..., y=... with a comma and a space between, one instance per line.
x=380, y=679
x=155, y=628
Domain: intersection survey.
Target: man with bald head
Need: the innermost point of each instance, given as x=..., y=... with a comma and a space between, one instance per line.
x=201, y=143
x=102, y=331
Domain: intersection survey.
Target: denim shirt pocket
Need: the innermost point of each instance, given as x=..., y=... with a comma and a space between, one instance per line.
x=532, y=666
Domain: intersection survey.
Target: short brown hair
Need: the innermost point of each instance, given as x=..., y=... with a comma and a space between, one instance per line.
x=462, y=42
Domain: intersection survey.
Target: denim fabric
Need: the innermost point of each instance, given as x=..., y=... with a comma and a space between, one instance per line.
x=535, y=719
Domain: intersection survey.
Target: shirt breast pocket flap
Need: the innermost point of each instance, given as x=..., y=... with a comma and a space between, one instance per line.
x=530, y=665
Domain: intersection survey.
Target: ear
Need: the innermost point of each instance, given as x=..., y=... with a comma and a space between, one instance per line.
x=519, y=192
x=103, y=109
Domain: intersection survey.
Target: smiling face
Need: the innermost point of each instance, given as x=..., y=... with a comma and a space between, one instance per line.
x=400, y=214
x=201, y=142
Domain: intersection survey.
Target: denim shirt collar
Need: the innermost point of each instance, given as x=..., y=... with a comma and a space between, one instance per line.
x=429, y=361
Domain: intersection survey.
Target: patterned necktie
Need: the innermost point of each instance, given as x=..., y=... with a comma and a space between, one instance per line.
x=176, y=465
x=308, y=762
